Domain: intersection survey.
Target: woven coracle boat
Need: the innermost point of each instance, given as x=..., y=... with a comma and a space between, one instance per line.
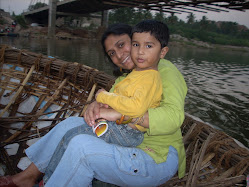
x=37, y=92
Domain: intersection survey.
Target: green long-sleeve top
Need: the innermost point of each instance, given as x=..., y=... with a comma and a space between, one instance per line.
x=165, y=121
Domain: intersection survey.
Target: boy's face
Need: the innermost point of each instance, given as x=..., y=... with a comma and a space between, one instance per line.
x=146, y=51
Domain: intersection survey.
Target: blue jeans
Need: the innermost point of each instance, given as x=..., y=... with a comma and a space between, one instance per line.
x=57, y=139
x=88, y=157
x=117, y=134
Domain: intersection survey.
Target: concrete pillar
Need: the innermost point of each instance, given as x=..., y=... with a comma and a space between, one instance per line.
x=51, y=47
x=104, y=19
x=51, y=18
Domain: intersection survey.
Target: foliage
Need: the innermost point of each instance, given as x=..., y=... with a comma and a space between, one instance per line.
x=191, y=18
x=36, y=6
x=21, y=21
x=129, y=16
x=224, y=33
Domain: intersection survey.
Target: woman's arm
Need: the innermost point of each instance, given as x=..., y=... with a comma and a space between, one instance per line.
x=112, y=115
x=168, y=117
x=96, y=110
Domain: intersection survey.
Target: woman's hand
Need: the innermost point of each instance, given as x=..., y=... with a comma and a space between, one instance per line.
x=92, y=112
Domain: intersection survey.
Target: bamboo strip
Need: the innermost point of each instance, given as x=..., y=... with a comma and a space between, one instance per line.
x=19, y=90
x=3, y=124
x=8, y=161
x=192, y=165
x=4, y=82
x=200, y=159
x=89, y=99
x=208, y=172
x=207, y=158
x=226, y=173
x=185, y=138
x=40, y=112
x=28, y=59
x=31, y=116
x=58, y=115
x=224, y=182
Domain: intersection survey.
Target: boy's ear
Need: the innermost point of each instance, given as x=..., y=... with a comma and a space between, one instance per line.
x=164, y=51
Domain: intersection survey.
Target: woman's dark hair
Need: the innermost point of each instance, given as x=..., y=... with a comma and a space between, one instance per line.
x=116, y=29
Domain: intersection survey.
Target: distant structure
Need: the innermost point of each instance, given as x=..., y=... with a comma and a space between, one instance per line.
x=81, y=8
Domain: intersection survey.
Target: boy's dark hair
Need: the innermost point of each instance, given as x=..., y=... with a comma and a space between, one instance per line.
x=156, y=28
x=116, y=29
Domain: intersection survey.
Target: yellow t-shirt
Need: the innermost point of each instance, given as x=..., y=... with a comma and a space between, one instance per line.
x=135, y=94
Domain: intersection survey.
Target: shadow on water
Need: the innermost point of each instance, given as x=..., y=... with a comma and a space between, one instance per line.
x=218, y=80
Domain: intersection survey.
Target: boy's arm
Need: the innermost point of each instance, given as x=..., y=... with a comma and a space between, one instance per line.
x=136, y=105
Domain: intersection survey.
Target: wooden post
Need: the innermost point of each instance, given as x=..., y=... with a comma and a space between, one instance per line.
x=51, y=18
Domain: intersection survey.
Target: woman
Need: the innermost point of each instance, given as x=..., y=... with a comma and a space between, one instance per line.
x=87, y=157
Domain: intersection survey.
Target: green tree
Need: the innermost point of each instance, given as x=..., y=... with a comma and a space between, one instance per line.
x=36, y=6
x=204, y=22
x=159, y=16
x=172, y=19
x=225, y=33
x=141, y=14
x=147, y=14
x=122, y=15
x=21, y=21
x=229, y=28
x=191, y=18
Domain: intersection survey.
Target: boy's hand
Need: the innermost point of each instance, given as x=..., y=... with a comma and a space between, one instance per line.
x=100, y=90
x=93, y=112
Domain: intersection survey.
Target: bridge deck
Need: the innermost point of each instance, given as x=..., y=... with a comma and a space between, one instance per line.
x=83, y=7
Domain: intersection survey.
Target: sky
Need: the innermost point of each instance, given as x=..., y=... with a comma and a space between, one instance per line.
x=242, y=18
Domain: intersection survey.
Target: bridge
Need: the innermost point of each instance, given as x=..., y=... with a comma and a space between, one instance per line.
x=65, y=8
x=81, y=8
x=85, y=7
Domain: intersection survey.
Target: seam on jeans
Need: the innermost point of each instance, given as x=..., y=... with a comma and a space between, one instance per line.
x=74, y=170
x=115, y=136
x=38, y=165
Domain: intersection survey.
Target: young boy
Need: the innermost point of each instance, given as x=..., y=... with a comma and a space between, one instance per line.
x=142, y=88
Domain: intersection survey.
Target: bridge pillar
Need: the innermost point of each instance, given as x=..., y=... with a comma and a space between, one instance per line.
x=104, y=19
x=51, y=18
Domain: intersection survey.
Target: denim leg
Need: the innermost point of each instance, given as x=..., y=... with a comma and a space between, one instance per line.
x=88, y=157
x=116, y=134
x=41, y=152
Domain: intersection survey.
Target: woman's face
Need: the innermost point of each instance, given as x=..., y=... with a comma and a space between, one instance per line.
x=118, y=48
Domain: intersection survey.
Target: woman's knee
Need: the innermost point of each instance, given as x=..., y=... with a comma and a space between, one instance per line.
x=82, y=140
x=88, y=144
x=71, y=122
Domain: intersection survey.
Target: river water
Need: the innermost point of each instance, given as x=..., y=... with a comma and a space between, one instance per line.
x=218, y=80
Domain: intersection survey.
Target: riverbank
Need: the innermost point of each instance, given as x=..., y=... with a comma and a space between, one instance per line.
x=65, y=33
x=177, y=40
x=79, y=34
